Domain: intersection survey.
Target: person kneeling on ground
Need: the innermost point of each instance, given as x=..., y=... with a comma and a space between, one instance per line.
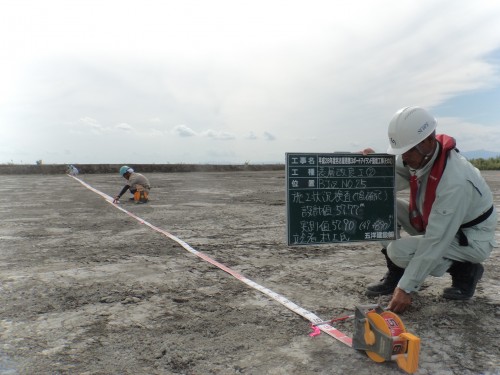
x=451, y=218
x=137, y=183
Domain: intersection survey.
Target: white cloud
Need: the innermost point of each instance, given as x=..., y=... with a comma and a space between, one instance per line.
x=470, y=136
x=251, y=136
x=218, y=135
x=184, y=131
x=92, y=124
x=124, y=126
x=269, y=136
x=309, y=76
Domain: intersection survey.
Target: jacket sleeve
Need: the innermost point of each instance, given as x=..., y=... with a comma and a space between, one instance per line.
x=125, y=188
x=447, y=214
x=402, y=175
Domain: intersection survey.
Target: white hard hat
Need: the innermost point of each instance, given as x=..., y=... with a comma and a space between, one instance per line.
x=409, y=126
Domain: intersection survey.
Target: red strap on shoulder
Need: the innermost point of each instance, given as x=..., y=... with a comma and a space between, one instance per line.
x=447, y=144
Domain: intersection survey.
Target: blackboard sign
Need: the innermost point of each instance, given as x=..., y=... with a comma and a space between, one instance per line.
x=340, y=197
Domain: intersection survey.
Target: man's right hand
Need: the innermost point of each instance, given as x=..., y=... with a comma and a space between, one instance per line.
x=400, y=301
x=367, y=151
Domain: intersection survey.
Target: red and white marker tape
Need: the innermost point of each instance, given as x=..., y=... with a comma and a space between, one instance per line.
x=313, y=318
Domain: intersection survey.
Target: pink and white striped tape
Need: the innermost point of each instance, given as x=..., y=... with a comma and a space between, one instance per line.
x=313, y=318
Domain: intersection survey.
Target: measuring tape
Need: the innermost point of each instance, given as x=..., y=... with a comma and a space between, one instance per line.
x=381, y=334
x=313, y=318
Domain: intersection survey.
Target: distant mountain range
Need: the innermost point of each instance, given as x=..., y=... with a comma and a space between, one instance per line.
x=480, y=154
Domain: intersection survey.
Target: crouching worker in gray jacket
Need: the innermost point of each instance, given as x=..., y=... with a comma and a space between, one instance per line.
x=451, y=217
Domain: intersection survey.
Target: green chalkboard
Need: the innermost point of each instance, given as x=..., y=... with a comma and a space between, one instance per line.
x=340, y=197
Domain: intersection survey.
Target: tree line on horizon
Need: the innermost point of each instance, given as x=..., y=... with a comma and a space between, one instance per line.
x=490, y=164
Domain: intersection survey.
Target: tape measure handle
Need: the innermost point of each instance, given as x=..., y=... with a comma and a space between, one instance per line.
x=369, y=335
x=409, y=362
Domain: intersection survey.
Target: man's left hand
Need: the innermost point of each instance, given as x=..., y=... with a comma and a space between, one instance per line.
x=400, y=301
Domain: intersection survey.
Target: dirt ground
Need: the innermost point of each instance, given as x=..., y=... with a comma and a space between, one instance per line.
x=87, y=289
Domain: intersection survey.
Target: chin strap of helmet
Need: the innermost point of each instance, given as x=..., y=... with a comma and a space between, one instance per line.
x=427, y=156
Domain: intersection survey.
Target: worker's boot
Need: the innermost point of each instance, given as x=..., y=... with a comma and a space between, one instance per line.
x=389, y=282
x=464, y=278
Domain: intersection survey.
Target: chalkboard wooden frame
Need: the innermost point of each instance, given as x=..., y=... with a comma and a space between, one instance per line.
x=340, y=197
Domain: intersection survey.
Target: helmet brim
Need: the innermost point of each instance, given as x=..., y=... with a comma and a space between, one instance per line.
x=399, y=151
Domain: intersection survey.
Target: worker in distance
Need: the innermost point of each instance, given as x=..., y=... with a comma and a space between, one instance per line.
x=137, y=184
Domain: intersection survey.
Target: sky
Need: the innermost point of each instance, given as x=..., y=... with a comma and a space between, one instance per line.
x=233, y=81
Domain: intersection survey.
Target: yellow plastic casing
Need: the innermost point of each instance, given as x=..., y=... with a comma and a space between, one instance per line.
x=409, y=361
